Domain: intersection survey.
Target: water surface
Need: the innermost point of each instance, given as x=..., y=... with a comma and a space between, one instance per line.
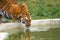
x=38, y=32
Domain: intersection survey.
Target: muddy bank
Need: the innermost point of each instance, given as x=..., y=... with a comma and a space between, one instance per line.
x=10, y=26
x=46, y=21
x=36, y=24
x=44, y=24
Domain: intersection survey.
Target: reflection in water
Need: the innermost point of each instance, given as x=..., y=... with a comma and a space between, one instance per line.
x=27, y=35
x=20, y=35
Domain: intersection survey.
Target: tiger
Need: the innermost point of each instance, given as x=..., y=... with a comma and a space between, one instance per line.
x=19, y=12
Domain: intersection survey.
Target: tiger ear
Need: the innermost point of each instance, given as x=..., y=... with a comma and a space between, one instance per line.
x=23, y=5
x=29, y=13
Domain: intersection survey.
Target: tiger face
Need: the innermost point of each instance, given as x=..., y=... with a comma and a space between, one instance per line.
x=26, y=17
x=27, y=20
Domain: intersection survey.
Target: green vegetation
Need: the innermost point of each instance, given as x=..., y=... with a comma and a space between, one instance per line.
x=43, y=9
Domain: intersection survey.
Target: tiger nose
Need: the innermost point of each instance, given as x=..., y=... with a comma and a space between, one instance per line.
x=23, y=22
x=28, y=26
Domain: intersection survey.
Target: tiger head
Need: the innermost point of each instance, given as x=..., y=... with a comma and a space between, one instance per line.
x=25, y=16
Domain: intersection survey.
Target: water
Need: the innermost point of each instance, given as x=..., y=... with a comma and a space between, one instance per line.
x=39, y=31
x=51, y=34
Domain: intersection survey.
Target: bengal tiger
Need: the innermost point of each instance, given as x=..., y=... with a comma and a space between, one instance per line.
x=18, y=12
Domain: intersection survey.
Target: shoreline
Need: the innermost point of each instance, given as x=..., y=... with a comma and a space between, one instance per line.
x=6, y=26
